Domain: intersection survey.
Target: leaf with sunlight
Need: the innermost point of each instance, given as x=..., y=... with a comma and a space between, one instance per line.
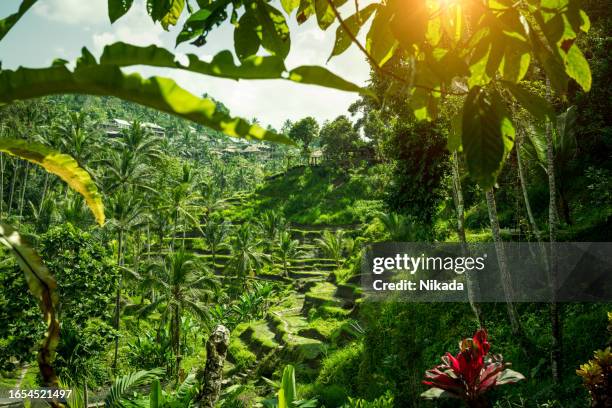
x=156, y=92
x=62, y=165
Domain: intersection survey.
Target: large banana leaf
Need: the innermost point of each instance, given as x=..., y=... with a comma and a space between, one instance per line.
x=42, y=285
x=61, y=165
x=222, y=65
x=8, y=22
x=156, y=92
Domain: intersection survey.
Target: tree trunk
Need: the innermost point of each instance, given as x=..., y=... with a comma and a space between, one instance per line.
x=555, y=321
x=12, y=190
x=1, y=185
x=176, y=333
x=85, y=394
x=118, y=296
x=521, y=173
x=23, y=190
x=472, y=281
x=212, y=375
x=503, y=265
x=45, y=188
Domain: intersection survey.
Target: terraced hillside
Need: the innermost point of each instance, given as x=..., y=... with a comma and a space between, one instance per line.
x=313, y=315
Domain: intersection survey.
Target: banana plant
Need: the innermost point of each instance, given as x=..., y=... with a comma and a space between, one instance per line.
x=40, y=281
x=287, y=396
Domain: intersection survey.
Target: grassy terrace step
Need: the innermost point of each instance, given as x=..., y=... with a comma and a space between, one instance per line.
x=259, y=338
x=239, y=353
x=306, y=274
x=294, y=332
x=321, y=261
x=305, y=284
x=348, y=291
x=322, y=294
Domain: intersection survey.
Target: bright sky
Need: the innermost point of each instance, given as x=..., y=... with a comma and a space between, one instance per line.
x=59, y=28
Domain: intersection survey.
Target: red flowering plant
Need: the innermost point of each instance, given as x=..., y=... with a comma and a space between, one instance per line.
x=470, y=374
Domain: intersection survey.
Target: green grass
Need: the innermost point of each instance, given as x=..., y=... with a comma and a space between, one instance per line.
x=243, y=357
x=313, y=196
x=262, y=335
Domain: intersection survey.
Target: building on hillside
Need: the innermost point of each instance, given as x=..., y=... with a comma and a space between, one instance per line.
x=115, y=126
x=256, y=151
x=154, y=128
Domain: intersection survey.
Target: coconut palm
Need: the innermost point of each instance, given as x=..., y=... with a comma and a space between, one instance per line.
x=333, y=245
x=140, y=141
x=286, y=250
x=215, y=234
x=126, y=168
x=271, y=224
x=182, y=284
x=399, y=227
x=127, y=213
x=75, y=140
x=246, y=255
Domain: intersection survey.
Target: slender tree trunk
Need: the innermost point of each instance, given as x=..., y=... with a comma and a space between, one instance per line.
x=12, y=190
x=148, y=242
x=85, y=394
x=45, y=188
x=472, y=281
x=502, y=261
x=174, y=230
x=555, y=320
x=177, y=341
x=118, y=296
x=521, y=173
x=1, y=184
x=24, y=186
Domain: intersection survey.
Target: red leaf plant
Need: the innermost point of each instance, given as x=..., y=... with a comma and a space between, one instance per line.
x=470, y=374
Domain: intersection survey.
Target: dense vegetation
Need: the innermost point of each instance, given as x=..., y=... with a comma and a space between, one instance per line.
x=204, y=231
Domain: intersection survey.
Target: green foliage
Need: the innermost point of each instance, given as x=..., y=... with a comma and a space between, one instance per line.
x=305, y=130
x=340, y=142
x=341, y=368
x=384, y=401
x=420, y=165
x=19, y=311
x=487, y=135
x=118, y=393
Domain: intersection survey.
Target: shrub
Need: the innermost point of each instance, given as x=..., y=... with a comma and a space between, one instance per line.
x=342, y=367
x=469, y=374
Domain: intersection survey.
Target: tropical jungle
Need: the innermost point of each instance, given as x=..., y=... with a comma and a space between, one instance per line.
x=159, y=252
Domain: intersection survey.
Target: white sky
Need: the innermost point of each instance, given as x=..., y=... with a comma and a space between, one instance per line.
x=59, y=28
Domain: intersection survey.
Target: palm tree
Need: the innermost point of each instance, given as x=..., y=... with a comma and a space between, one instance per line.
x=181, y=284
x=127, y=211
x=246, y=256
x=126, y=168
x=286, y=250
x=75, y=140
x=74, y=211
x=271, y=224
x=210, y=200
x=140, y=141
x=399, y=227
x=333, y=245
x=182, y=201
x=215, y=234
